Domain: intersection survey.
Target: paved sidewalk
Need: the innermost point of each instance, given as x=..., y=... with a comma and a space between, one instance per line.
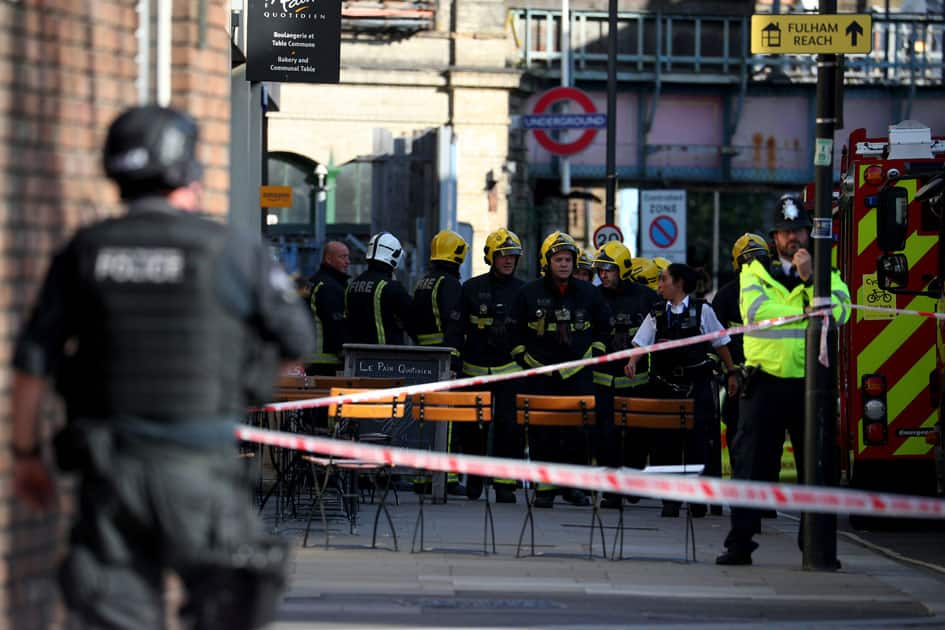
x=352, y=585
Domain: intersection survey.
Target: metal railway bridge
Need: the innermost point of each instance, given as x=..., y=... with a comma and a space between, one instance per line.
x=695, y=106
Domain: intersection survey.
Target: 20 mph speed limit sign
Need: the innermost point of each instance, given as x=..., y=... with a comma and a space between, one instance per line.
x=606, y=233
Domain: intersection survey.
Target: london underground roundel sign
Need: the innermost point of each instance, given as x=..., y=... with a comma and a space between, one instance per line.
x=540, y=122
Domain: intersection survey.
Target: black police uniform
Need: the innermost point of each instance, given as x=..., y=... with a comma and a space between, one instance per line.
x=377, y=307
x=327, y=303
x=169, y=311
x=725, y=305
x=685, y=372
x=483, y=333
x=629, y=304
x=554, y=325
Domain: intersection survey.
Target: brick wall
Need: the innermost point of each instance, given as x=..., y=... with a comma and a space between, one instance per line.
x=67, y=67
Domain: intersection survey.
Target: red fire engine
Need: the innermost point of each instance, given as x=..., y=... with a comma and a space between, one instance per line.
x=891, y=253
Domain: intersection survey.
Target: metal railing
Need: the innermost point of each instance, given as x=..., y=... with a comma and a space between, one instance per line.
x=907, y=49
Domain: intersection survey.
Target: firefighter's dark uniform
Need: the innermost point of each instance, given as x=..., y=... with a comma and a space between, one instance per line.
x=377, y=307
x=629, y=304
x=725, y=305
x=327, y=303
x=164, y=306
x=435, y=304
x=484, y=335
x=555, y=324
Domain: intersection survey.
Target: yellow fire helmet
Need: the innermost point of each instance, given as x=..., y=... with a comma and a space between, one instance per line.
x=584, y=261
x=747, y=247
x=449, y=246
x=615, y=255
x=556, y=242
x=502, y=242
x=661, y=263
x=644, y=271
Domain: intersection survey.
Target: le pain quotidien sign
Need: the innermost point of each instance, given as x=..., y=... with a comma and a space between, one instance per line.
x=294, y=41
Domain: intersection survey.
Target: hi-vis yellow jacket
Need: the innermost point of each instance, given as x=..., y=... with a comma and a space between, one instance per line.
x=780, y=351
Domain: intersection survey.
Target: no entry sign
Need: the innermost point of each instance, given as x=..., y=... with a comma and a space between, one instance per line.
x=540, y=120
x=663, y=224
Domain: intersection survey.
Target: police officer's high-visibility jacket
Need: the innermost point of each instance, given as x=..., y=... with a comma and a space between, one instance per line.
x=629, y=304
x=327, y=303
x=436, y=303
x=554, y=325
x=377, y=307
x=780, y=351
x=483, y=332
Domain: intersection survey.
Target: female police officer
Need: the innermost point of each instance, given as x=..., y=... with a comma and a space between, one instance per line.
x=684, y=372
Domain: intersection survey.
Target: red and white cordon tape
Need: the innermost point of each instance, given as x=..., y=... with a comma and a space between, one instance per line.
x=750, y=494
x=422, y=388
x=898, y=311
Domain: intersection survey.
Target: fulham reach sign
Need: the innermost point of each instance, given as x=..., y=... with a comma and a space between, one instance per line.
x=811, y=34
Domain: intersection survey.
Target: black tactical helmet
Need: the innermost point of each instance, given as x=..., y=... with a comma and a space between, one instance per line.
x=790, y=214
x=151, y=149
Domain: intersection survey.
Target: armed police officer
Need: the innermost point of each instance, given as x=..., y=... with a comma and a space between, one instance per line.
x=773, y=393
x=629, y=303
x=684, y=372
x=559, y=318
x=484, y=335
x=327, y=303
x=162, y=312
x=377, y=305
x=435, y=305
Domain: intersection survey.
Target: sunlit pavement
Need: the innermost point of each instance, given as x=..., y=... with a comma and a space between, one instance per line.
x=351, y=585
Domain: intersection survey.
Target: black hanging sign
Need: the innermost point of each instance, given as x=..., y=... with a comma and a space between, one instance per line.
x=294, y=41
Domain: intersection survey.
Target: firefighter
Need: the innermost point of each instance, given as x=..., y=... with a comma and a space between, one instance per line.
x=584, y=269
x=684, y=372
x=644, y=271
x=629, y=304
x=747, y=247
x=483, y=333
x=167, y=314
x=436, y=296
x=435, y=304
x=377, y=306
x=327, y=303
x=559, y=318
x=773, y=392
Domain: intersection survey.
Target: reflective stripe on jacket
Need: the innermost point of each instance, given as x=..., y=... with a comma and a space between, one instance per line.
x=780, y=351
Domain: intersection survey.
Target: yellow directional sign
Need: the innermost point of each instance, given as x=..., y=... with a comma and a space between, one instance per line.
x=275, y=196
x=811, y=34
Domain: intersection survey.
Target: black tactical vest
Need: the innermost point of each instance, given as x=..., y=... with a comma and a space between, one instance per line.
x=671, y=326
x=157, y=341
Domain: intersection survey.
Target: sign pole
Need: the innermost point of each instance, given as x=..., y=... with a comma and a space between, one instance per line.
x=609, y=212
x=564, y=163
x=819, y=531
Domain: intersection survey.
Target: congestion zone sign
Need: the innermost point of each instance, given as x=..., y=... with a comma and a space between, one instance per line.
x=590, y=121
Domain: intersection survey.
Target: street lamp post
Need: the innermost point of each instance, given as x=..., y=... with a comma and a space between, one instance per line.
x=321, y=194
